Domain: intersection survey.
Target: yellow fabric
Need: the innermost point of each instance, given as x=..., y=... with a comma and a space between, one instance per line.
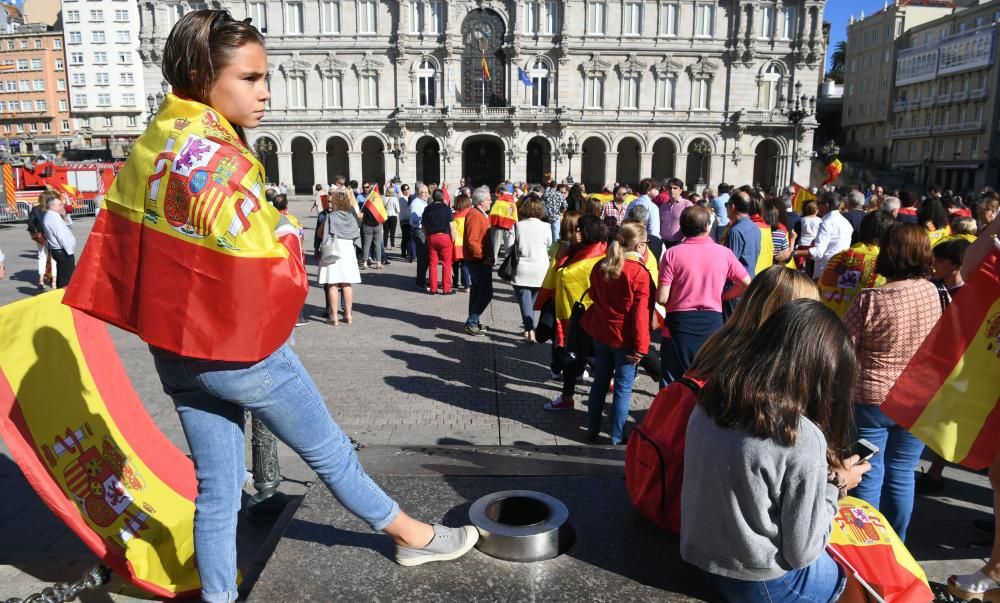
x=608, y=197
x=939, y=236
x=43, y=361
x=191, y=163
x=571, y=281
x=766, y=258
x=846, y=274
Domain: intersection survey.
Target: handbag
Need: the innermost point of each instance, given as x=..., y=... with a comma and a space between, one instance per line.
x=328, y=253
x=578, y=340
x=508, y=269
x=546, y=327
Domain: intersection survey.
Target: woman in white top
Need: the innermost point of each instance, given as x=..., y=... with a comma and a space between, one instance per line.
x=809, y=224
x=390, y=193
x=342, y=223
x=534, y=237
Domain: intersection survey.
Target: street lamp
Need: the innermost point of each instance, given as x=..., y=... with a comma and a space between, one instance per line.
x=797, y=110
x=397, y=149
x=154, y=102
x=829, y=150
x=569, y=148
x=701, y=149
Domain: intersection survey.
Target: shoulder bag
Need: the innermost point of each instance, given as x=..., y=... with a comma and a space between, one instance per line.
x=328, y=249
x=508, y=269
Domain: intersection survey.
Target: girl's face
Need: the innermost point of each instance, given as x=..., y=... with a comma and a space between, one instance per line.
x=240, y=90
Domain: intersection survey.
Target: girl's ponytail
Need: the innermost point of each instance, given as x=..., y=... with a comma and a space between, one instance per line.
x=629, y=236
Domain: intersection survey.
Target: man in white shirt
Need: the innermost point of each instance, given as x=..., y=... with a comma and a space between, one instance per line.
x=834, y=233
x=60, y=239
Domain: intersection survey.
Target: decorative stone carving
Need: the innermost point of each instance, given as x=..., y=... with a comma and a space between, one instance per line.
x=703, y=68
x=332, y=66
x=294, y=67
x=596, y=66
x=631, y=66
x=369, y=65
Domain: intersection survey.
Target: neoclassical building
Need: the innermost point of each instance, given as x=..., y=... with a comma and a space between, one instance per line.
x=619, y=89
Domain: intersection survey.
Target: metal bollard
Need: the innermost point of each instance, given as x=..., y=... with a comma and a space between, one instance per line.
x=267, y=504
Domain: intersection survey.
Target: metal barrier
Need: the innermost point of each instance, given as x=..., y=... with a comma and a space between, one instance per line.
x=9, y=216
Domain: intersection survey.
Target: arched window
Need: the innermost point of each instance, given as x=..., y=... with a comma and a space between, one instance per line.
x=426, y=78
x=769, y=87
x=539, y=84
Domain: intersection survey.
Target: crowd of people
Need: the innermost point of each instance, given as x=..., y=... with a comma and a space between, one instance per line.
x=865, y=276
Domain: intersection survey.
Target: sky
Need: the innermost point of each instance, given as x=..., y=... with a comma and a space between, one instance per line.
x=838, y=12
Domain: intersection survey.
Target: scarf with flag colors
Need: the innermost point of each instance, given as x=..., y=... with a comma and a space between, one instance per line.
x=949, y=392
x=82, y=438
x=766, y=258
x=833, y=170
x=800, y=195
x=503, y=214
x=375, y=206
x=185, y=254
x=863, y=542
x=846, y=274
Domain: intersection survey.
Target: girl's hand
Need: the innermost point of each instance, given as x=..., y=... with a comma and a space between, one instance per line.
x=634, y=357
x=853, y=470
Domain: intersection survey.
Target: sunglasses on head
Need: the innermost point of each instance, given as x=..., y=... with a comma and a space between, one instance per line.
x=223, y=17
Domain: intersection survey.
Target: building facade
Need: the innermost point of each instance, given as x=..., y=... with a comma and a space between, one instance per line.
x=619, y=89
x=34, y=102
x=869, y=73
x=105, y=73
x=945, y=108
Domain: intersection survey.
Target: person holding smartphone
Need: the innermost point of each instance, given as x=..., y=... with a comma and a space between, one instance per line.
x=764, y=461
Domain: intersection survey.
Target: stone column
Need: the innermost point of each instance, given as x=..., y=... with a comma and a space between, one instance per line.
x=319, y=167
x=645, y=165
x=354, y=165
x=284, y=167
x=519, y=168
x=610, y=168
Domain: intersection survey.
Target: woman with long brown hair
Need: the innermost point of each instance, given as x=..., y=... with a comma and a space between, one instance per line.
x=618, y=320
x=339, y=276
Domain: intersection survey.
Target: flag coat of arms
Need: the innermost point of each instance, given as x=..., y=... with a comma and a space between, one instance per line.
x=83, y=440
x=184, y=251
x=949, y=392
x=846, y=274
x=503, y=214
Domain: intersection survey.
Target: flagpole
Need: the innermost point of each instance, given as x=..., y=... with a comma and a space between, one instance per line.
x=483, y=74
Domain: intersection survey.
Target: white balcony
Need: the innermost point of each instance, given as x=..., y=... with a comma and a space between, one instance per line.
x=911, y=132
x=977, y=93
x=960, y=96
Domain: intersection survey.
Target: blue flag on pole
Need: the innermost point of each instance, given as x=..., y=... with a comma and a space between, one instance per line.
x=524, y=77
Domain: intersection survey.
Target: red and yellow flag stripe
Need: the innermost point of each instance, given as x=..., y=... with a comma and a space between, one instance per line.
x=375, y=206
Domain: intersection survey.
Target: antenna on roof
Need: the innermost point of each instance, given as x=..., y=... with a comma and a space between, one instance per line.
x=862, y=15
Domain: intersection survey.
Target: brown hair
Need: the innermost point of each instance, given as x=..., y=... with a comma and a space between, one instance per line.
x=341, y=201
x=43, y=199
x=567, y=225
x=462, y=202
x=765, y=385
x=630, y=234
x=768, y=291
x=905, y=252
x=695, y=220
x=531, y=207
x=592, y=207
x=810, y=208
x=199, y=46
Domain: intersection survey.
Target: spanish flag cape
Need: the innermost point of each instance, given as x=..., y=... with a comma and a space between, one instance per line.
x=566, y=280
x=83, y=440
x=459, y=217
x=949, y=392
x=848, y=273
x=503, y=214
x=801, y=195
x=185, y=254
x=939, y=235
x=766, y=258
x=608, y=197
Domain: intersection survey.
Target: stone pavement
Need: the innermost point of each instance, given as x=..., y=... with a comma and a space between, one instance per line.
x=404, y=374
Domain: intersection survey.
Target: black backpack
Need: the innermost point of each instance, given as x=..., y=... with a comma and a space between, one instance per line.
x=35, y=222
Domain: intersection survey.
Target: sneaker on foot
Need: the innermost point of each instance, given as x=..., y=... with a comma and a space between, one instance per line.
x=559, y=403
x=586, y=375
x=447, y=544
x=554, y=375
x=475, y=330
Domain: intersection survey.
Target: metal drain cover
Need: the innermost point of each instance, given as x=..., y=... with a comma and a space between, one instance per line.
x=521, y=525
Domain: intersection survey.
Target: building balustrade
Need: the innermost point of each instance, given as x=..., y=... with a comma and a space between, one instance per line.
x=960, y=96
x=977, y=93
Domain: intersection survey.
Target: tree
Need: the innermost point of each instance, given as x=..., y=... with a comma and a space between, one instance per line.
x=838, y=59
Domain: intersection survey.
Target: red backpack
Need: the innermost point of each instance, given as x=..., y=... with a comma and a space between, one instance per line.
x=654, y=457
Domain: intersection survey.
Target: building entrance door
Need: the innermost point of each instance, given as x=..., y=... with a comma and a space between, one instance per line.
x=482, y=162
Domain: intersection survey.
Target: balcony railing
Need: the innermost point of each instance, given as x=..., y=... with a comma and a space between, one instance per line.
x=977, y=93
x=927, y=101
x=910, y=132
x=904, y=104
x=944, y=97
x=959, y=96
x=966, y=126
x=759, y=116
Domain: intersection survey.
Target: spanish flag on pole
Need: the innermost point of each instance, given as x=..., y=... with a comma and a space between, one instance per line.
x=486, y=70
x=948, y=395
x=84, y=442
x=186, y=255
x=833, y=170
x=503, y=214
x=800, y=195
x=375, y=206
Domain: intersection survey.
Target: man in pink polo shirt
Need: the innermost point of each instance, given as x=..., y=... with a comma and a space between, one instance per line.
x=670, y=212
x=693, y=277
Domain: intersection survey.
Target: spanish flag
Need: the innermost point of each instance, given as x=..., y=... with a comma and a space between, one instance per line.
x=846, y=274
x=459, y=251
x=765, y=259
x=947, y=396
x=864, y=544
x=186, y=255
x=84, y=442
x=486, y=70
x=503, y=214
x=833, y=170
x=608, y=197
x=375, y=206
x=800, y=196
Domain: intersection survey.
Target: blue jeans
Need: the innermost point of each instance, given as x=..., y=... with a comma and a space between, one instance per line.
x=819, y=582
x=525, y=297
x=210, y=398
x=555, y=230
x=460, y=274
x=889, y=485
x=608, y=361
x=481, y=293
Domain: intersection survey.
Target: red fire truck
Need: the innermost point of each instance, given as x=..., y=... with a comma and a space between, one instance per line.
x=84, y=184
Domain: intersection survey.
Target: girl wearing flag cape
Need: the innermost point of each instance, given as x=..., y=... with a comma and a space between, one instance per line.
x=188, y=257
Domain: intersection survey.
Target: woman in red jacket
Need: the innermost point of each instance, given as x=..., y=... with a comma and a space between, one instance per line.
x=618, y=320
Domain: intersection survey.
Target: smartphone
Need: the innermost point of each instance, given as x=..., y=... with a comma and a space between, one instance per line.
x=863, y=448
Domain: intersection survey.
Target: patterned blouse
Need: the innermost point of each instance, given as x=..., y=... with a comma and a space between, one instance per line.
x=888, y=325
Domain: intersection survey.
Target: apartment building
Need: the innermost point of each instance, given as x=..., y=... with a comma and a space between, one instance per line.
x=945, y=105
x=105, y=72
x=869, y=73
x=34, y=103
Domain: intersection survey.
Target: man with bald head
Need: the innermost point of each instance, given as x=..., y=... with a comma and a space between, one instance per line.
x=417, y=207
